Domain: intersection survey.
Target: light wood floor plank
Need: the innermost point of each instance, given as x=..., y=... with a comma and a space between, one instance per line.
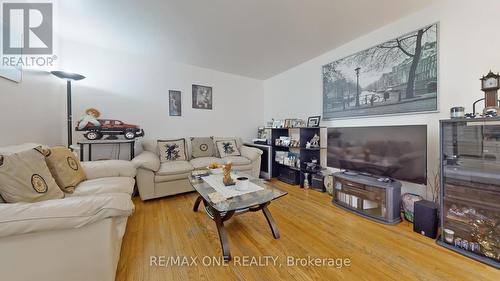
x=309, y=225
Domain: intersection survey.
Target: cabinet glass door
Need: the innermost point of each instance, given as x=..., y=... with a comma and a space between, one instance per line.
x=471, y=186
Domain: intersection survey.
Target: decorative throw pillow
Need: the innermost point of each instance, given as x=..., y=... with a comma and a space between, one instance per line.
x=202, y=147
x=65, y=168
x=216, y=139
x=172, y=150
x=227, y=148
x=25, y=177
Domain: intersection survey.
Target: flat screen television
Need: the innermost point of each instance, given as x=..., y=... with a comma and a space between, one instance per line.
x=398, y=152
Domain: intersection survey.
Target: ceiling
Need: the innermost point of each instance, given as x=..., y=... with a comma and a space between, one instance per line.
x=253, y=38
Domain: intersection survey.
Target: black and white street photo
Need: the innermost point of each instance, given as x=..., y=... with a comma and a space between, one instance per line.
x=398, y=76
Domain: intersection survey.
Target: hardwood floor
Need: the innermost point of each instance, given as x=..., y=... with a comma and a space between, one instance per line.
x=309, y=225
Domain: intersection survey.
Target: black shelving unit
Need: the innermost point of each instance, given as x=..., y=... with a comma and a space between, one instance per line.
x=294, y=175
x=470, y=187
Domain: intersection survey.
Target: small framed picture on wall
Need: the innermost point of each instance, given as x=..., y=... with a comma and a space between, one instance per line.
x=313, y=121
x=202, y=97
x=175, y=103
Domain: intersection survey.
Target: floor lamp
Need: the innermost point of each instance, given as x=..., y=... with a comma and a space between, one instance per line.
x=68, y=77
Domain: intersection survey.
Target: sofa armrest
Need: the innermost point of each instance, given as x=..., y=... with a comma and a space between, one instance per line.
x=251, y=153
x=147, y=160
x=109, y=168
x=71, y=212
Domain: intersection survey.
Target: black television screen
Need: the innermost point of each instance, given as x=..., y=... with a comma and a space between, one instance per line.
x=398, y=152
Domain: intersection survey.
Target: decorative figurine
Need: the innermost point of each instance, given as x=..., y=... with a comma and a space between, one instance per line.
x=89, y=119
x=227, y=174
x=314, y=141
x=306, y=180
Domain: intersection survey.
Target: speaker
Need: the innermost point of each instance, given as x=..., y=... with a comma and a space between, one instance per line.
x=425, y=218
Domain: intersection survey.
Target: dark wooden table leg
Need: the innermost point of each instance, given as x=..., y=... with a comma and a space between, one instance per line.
x=222, y=235
x=270, y=221
x=197, y=203
x=81, y=152
x=90, y=152
x=132, y=150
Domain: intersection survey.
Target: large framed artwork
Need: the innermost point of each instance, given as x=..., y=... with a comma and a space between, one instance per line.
x=202, y=97
x=395, y=77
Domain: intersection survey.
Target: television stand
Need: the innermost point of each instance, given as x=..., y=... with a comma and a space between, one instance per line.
x=350, y=173
x=380, y=179
x=368, y=196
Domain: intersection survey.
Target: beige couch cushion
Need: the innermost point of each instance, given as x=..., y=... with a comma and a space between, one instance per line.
x=105, y=185
x=237, y=160
x=244, y=168
x=147, y=160
x=204, y=162
x=109, y=168
x=239, y=142
x=182, y=176
x=174, y=168
x=202, y=147
x=172, y=150
x=25, y=177
x=65, y=168
x=227, y=148
x=53, y=215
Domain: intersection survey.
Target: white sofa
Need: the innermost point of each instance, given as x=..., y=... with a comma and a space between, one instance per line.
x=156, y=179
x=77, y=238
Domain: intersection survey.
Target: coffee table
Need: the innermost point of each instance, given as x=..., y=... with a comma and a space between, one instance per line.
x=224, y=210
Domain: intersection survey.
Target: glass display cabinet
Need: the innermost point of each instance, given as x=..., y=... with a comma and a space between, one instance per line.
x=470, y=188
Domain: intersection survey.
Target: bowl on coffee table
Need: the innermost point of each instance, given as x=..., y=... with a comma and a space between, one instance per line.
x=242, y=183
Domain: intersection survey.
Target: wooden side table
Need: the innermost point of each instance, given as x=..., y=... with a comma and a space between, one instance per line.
x=107, y=142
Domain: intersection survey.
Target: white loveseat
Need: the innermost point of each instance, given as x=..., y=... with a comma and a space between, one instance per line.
x=156, y=179
x=76, y=238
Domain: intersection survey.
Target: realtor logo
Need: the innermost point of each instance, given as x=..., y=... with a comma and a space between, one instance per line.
x=27, y=29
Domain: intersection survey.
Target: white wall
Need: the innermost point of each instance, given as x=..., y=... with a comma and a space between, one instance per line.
x=31, y=111
x=129, y=72
x=134, y=88
x=469, y=38
x=126, y=80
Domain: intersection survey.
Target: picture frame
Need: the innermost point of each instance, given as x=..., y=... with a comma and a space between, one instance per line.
x=300, y=123
x=287, y=123
x=175, y=103
x=398, y=76
x=313, y=121
x=276, y=124
x=202, y=97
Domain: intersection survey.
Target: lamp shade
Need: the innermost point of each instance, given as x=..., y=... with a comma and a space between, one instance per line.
x=67, y=75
